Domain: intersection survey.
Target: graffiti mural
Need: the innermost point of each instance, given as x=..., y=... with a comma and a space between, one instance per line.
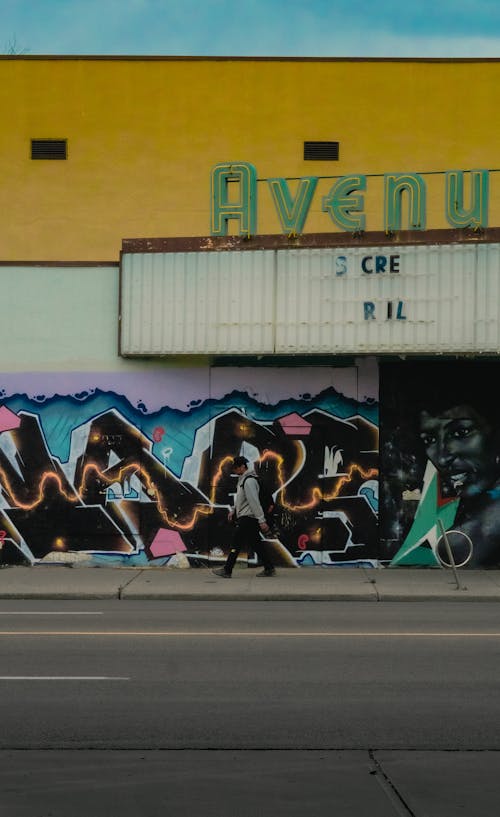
x=138, y=473
x=440, y=464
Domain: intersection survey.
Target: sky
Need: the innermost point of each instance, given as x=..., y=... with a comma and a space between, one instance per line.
x=253, y=28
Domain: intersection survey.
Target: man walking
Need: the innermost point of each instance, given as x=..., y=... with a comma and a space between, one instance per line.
x=249, y=520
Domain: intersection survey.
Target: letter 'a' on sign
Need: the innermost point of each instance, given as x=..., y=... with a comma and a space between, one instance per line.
x=477, y=214
x=233, y=195
x=398, y=185
x=343, y=207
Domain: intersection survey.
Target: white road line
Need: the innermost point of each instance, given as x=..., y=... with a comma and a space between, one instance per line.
x=49, y=613
x=62, y=678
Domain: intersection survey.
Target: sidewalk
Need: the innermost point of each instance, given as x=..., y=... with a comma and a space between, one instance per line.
x=301, y=584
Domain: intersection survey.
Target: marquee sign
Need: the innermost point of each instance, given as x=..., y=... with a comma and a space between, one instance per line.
x=234, y=197
x=427, y=299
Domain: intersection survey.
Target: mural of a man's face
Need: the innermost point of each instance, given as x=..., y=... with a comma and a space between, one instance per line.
x=459, y=443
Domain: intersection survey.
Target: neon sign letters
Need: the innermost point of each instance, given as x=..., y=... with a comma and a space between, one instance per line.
x=233, y=190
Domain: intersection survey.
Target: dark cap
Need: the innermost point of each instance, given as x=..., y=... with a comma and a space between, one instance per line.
x=239, y=461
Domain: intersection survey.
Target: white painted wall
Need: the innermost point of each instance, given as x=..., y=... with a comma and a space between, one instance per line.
x=62, y=319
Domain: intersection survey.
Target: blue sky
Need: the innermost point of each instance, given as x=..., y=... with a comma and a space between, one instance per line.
x=295, y=28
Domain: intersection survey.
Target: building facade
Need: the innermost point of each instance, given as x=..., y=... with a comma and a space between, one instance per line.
x=293, y=259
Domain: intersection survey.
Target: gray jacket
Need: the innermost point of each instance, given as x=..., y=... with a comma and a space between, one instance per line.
x=247, y=501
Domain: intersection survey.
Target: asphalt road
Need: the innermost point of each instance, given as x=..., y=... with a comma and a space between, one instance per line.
x=240, y=705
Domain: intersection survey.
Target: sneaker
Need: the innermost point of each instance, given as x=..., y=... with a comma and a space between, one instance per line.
x=222, y=572
x=267, y=572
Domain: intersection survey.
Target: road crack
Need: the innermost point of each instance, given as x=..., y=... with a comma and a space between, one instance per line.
x=401, y=806
x=126, y=584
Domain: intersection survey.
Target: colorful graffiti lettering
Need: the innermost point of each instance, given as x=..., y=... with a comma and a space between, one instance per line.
x=116, y=496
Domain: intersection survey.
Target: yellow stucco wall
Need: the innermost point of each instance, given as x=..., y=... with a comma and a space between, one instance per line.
x=143, y=135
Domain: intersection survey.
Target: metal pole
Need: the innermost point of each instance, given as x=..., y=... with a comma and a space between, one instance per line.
x=450, y=555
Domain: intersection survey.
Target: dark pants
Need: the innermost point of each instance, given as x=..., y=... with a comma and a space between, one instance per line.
x=247, y=532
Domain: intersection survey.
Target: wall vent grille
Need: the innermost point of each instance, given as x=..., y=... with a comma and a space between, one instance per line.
x=322, y=151
x=49, y=149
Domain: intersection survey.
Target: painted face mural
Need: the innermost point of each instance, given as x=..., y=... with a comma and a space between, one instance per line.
x=126, y=469
x=440, y=460
x=458, y=441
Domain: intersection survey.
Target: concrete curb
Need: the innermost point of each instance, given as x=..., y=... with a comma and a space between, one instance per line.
x=303, y=584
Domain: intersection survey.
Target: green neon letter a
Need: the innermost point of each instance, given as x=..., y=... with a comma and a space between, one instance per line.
x=243, y=208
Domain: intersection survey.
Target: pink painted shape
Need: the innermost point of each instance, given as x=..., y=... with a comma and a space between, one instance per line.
x=167, y=542
x=295, y=424
x=8, y=420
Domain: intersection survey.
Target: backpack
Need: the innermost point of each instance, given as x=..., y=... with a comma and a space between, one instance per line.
x=265, y=498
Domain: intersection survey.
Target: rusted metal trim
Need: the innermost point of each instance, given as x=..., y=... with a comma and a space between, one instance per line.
x=311, y=240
